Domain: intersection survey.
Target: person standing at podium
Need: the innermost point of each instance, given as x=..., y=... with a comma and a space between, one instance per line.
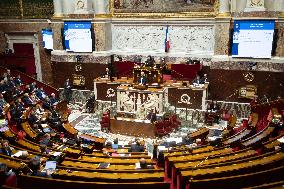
x=142, y=79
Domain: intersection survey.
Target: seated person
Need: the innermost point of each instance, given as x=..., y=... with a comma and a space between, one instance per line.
x=44, y=150
x=142, y=80
x=46, y=105
x=27, y=100
x=187, y=140
x=33, y=86
x=54, y=119
x=7, y=178
x=143, y=163
x=18, y=81
x=280, y=147
x=106, y=74
x=45, y=140
x=40, y=93
x=150, y=62
x=137, y=147
x=115, y=144
x=33, y=119
x=198, y=80
x=6, y=149
x=53, y=99
x=34, y=165
x=2, y=103
x=108, y=148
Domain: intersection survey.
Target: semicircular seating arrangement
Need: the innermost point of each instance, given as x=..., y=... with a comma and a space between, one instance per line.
x=250, y=157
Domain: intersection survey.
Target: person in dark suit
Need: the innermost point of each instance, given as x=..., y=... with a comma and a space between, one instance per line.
x=53, y=100
x=5, y=148
x=46, y=105
x=34, y=165
x=136, y=147
x=27, y=100
x=142, y=80
x=67, y=90
x=152, y=116
x=198, y=80
x=150, y=62
x=18, y=81
x=45, y=140
x=40, y=93
x=107, y=73
x=143, y=163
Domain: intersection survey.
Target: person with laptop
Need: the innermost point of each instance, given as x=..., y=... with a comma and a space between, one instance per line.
x=34, y=165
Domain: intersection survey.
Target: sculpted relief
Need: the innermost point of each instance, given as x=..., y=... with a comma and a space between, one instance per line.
x=168, y=6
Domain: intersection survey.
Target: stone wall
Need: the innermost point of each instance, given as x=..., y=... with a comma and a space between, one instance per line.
x=148, y=38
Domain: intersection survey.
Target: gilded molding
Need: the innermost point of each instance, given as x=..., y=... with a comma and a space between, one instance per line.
x=163, y=14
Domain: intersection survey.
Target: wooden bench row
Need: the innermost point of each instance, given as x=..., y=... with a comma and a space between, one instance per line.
x=260, y=163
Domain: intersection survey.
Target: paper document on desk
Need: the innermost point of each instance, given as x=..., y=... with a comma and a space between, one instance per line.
x=137, y=166
x=57, y=153
x=281, y=139
x=18, y=154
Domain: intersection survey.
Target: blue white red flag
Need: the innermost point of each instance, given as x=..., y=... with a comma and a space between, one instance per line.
x=167, y=40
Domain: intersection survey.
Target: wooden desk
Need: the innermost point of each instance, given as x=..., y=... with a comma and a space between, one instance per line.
x=131, y=127
x=130, y=100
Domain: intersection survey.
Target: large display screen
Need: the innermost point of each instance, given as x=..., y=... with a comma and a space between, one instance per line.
x=47, y=39
x=253, y=38
x=78, y=36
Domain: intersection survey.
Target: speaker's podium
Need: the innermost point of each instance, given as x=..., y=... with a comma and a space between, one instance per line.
x=153, y=75
x=133, y=106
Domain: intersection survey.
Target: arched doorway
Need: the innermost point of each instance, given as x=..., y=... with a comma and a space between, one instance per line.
x=25, y=54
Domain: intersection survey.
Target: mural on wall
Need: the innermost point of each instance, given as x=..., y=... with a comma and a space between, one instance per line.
x=163, y=6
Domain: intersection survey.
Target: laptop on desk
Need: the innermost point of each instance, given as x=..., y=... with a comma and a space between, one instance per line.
x=49, y=165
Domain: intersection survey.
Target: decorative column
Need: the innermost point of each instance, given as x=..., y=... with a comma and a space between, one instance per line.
x=68, y=7
x=240, y=5
x=101, y=6
x=281, y=4
x=57, y=4
x=280, y=38
x=222, y=34
x=224, y=8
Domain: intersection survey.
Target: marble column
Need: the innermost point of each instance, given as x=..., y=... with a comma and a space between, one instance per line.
x=101, y=6
x=222, y=34
x=280, y=40
x=281, y=4
x=57, y=8
x=68, y=7
x=103, y=38
x=57, y=35
x=240, y=5
x=224, y=8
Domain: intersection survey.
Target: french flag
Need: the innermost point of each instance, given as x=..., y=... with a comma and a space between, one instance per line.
x=167, y=40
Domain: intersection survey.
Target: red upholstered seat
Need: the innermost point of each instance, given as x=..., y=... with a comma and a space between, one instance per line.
x=166, y=77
